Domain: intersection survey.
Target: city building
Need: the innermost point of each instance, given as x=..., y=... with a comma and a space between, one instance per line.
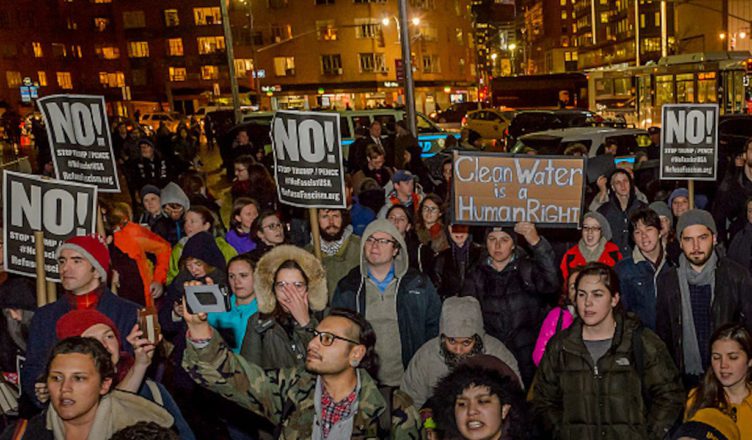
x=171, y=55
x=714, y=25
x=496, y=48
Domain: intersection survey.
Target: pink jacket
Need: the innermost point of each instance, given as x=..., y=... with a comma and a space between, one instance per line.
x=548, y=330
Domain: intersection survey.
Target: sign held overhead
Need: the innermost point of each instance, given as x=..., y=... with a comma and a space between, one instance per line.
x=80, y=140
x=689, y=142
x=60, y=209
x=308, y=159
x=501, y=189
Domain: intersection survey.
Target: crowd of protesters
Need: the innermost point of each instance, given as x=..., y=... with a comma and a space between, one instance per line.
x=636, y=326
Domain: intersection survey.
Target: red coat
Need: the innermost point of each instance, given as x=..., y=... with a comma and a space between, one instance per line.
x=574, y=258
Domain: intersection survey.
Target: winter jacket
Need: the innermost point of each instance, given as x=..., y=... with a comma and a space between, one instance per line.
x=42, y=332
x=154, y=171
x=573, y=258
x=742, y=411
x=448, y=274
x=740, y=249
x=514, y=299
x=460, y=317
x=116, y=410
x=732, y=302
x=340, y=264
x=621, y=227
x=574, y=399
x=136, y=241
x=177, y=251
x=558, y=319
x=241, y=242
x=268, y=342
x=729, y=205
x=637, y=285
x=165, y=227
x=418, y=305
x=269, y=392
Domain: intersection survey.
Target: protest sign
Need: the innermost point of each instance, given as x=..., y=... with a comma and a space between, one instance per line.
x=31, y=203
x=689, y=142
x=308, y=159
x=80, y=140
x=501, y=189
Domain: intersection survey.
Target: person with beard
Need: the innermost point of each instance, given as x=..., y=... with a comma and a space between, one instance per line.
x=333, y=397
x=340, y=249
x=290, y=286
x=700, y=295
x=461, y=336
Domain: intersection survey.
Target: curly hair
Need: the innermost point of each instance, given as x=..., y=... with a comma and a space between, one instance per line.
x=90, y=346
x=466, y=376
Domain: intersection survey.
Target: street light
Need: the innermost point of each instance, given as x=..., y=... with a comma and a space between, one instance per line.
x=407, y=63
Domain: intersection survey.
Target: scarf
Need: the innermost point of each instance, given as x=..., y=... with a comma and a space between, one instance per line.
x=687, y=276
x=85, y=301
x=331, y=248
x=591, y=255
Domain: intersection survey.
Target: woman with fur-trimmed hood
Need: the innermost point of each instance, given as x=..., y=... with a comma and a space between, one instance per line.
x=290, y=286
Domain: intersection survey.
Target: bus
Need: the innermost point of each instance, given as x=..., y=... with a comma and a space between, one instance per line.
x=539, y=91
x=637, y=93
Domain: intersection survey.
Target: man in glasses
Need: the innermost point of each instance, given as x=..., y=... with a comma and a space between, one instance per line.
x=334, y=397
x=461, y=337
x=401, y=303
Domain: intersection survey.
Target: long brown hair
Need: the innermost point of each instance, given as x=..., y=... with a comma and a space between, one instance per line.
x=710, y=392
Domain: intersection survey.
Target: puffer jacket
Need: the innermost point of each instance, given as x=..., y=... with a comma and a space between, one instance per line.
x=573, y=258
x=267, y=342
x=513, y=300
x=574, y=399
x=731, y=303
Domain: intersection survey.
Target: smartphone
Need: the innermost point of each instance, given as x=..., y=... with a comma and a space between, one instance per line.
x=148, y=322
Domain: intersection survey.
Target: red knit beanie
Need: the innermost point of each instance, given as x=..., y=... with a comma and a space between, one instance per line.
x=93, y=248
x=75, y=322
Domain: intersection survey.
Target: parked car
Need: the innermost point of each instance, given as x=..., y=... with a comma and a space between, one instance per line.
x=151, y=121
x=628, y=140
x=485, y=124
x=531, y=121
x=455, y=112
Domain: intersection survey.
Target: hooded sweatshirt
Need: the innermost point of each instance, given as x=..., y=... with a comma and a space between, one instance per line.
x=167, y=228
x=403, y=307
x=461, y=317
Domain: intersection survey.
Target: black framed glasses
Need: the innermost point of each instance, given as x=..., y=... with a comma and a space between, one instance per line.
x=327, y=339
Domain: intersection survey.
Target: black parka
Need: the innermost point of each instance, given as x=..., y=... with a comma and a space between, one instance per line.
x=575, y=399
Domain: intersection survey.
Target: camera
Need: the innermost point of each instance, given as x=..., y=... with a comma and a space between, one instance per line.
x=207, y=299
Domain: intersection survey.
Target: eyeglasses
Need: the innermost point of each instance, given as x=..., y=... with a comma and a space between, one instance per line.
x=591, y=228
x=430, y=209
x=327, y=339
x=381, y=241
x=273, y=226
x=297, y=285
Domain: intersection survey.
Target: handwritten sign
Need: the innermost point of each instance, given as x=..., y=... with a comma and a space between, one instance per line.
x=500, y=189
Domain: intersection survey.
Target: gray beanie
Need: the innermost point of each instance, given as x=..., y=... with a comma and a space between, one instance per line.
x=662, y=209
x=605, y=227
x=461, y=317
x=696, y=217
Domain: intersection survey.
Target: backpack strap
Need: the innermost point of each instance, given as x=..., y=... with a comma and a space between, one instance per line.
x=560, y=320
x=385, y=419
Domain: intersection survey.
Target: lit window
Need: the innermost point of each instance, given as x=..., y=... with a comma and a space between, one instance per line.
x=14, y=79
x=372, y=62
x=367, y=28
x=325, y=30
x=64, y=80
x=37, y=46
x=177, y=73
x=171, y=17
x=331, y=64
x=431, y=64
x=284, y=66
x=42, y=78
x=604, y=17
x=209, y=45
x=281, y=32
x=209, y=72
x=207, y=16
x=563, y=15
x=107, y=52
x=112, y=79
x=101, y=23
x=134, y=19
x=175, y=47
x=101, y=1
x=138, y=49
x=243, y=67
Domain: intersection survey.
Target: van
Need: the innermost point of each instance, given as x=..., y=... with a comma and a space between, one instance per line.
x=628, y=140
x=431, y=137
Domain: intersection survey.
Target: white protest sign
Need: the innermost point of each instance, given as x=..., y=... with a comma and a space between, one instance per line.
x=31, y=203
x=308, y=159
x=689, y=142
x=80, y=140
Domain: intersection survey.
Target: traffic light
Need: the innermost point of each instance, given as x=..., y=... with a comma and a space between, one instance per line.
x=749, y=65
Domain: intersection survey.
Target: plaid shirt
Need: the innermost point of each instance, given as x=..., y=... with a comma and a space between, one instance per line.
x=332, y=412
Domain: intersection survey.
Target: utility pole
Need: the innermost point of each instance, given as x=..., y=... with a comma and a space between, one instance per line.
x=230, y=60
x=254, y=58
x=407, y=64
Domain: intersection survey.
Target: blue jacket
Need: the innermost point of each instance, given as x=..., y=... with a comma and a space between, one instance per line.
x=42, y=335
x=637, y=284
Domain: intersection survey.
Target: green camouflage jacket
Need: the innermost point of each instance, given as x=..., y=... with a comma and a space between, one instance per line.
x=265, y=392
